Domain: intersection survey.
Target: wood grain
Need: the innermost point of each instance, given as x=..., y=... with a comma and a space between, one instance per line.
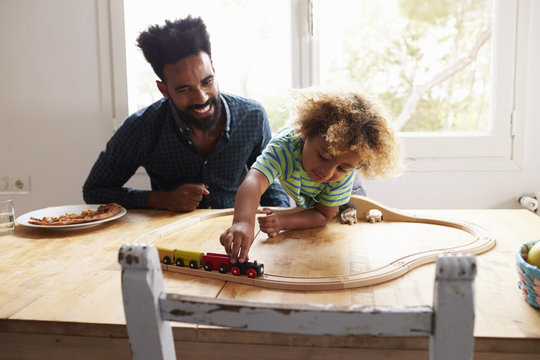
x=328, y=266
x=68, y=283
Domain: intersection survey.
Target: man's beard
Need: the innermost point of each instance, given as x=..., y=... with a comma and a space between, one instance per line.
x=206, y=123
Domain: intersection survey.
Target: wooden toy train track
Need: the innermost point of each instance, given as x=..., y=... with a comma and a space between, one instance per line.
x=483, y=241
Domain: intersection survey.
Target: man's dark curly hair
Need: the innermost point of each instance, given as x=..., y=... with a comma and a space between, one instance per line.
x=174, y=41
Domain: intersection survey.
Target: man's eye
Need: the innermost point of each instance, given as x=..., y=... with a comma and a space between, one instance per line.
x=208, y=82
x=183, y=91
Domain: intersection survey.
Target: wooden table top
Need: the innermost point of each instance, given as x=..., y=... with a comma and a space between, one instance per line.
x=70, y=277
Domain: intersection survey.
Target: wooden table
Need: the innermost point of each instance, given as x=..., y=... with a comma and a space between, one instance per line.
x=60, y=294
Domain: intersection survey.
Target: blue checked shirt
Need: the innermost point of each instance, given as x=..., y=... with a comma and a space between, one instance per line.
x=157, y=139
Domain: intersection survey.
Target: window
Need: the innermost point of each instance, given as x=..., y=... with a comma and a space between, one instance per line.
x=443, y=70
x=251, y=48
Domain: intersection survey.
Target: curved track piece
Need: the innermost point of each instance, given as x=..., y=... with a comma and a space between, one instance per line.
x=483, y=241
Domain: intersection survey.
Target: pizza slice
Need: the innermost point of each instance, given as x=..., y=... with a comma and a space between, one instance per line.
x=102, y=212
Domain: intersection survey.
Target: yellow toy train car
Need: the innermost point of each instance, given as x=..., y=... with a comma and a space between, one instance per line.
x=193, y=259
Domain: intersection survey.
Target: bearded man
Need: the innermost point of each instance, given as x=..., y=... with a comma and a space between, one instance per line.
x=196, y=143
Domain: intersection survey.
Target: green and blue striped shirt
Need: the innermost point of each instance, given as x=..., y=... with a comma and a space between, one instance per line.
x=282, y=159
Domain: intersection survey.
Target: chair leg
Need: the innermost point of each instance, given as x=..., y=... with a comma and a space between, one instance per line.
x=453, y=304
x=142, y=286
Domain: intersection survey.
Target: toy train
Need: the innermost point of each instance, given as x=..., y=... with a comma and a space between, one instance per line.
x=209, y=261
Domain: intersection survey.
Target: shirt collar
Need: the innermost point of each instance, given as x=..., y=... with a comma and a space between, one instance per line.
x=228, y=120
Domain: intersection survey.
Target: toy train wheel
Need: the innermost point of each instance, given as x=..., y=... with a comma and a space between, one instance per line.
x=179, y=262
x=193, y=264
x=222, y=268
x=251, y=273
x=208, y=266
x=235, y=270
x=166, y=260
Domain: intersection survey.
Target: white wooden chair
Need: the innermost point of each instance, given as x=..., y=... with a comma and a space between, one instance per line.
x=449, y=323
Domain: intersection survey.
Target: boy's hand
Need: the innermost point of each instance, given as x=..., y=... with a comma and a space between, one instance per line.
x=237, y=238
x=270, y=223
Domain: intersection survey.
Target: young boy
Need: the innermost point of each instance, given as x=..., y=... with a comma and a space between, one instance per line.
x=334, y=134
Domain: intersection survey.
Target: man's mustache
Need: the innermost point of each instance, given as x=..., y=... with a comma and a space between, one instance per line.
x=208, y=102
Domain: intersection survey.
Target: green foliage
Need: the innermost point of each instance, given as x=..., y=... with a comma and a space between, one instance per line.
x=409, y=56
x=426, y=11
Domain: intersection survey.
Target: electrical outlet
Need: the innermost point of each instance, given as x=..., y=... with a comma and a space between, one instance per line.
x=4, y=184
x=15, y=185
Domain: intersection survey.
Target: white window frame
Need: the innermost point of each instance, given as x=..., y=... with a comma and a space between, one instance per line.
x=500, y=150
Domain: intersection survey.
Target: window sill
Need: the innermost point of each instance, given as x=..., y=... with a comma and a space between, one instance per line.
x=461, y=165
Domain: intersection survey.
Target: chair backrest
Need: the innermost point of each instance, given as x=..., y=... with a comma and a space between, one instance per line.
x=449, y=322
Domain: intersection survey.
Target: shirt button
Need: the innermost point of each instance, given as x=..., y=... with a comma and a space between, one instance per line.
x=209, y=207
x=189, y=142
x=205, y=162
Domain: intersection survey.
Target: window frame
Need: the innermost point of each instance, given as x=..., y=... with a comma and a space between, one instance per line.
x=500, y=150
x=496, y=150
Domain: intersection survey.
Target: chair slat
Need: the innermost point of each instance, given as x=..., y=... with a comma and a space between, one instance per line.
x=300, y=319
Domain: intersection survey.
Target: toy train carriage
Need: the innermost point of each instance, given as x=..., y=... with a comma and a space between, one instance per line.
x=214, y=261
x=180, y=257
x=209, y=261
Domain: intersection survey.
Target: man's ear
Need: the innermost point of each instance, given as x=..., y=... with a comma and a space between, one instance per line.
x=162, y=87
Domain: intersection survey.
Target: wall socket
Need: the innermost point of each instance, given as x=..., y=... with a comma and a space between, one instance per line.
x=14, y=185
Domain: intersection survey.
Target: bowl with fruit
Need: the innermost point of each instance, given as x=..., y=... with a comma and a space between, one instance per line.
x=528, y=267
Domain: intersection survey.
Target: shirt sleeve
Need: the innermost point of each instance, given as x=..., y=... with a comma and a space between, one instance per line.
x=113, y=168
x=274, y=195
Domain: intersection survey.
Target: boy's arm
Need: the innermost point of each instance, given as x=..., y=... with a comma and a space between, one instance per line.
x=238, y=238
x=309, y=218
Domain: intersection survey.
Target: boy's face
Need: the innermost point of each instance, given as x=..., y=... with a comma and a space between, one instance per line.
x=191, y=86
x=321, y=166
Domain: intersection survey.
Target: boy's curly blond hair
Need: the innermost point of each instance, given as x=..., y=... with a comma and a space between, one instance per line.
x=348, y=121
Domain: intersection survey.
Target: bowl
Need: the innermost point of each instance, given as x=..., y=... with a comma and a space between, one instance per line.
x=529, y=276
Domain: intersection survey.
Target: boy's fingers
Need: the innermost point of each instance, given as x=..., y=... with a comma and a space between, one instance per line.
x=236, y=244
x=245, y=250
x=266, y=211
x=226, y=240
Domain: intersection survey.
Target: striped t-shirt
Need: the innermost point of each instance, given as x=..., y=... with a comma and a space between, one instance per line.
x=282, y=159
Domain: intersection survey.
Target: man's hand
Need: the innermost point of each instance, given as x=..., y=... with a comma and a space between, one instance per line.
x=183, y=198
x=269, y=224
x=238, y=238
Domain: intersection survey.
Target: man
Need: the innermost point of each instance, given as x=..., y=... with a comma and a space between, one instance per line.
x=196, y=143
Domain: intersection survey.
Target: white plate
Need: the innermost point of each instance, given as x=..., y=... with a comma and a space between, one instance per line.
x=62, y=210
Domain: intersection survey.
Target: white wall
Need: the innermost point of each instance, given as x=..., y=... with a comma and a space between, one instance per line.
x=55, y=116
x=53, y=124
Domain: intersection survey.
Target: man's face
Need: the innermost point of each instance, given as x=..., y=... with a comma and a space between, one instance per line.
x=190, y=85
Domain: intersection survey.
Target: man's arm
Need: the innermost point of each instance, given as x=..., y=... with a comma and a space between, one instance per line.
x=105, y=184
